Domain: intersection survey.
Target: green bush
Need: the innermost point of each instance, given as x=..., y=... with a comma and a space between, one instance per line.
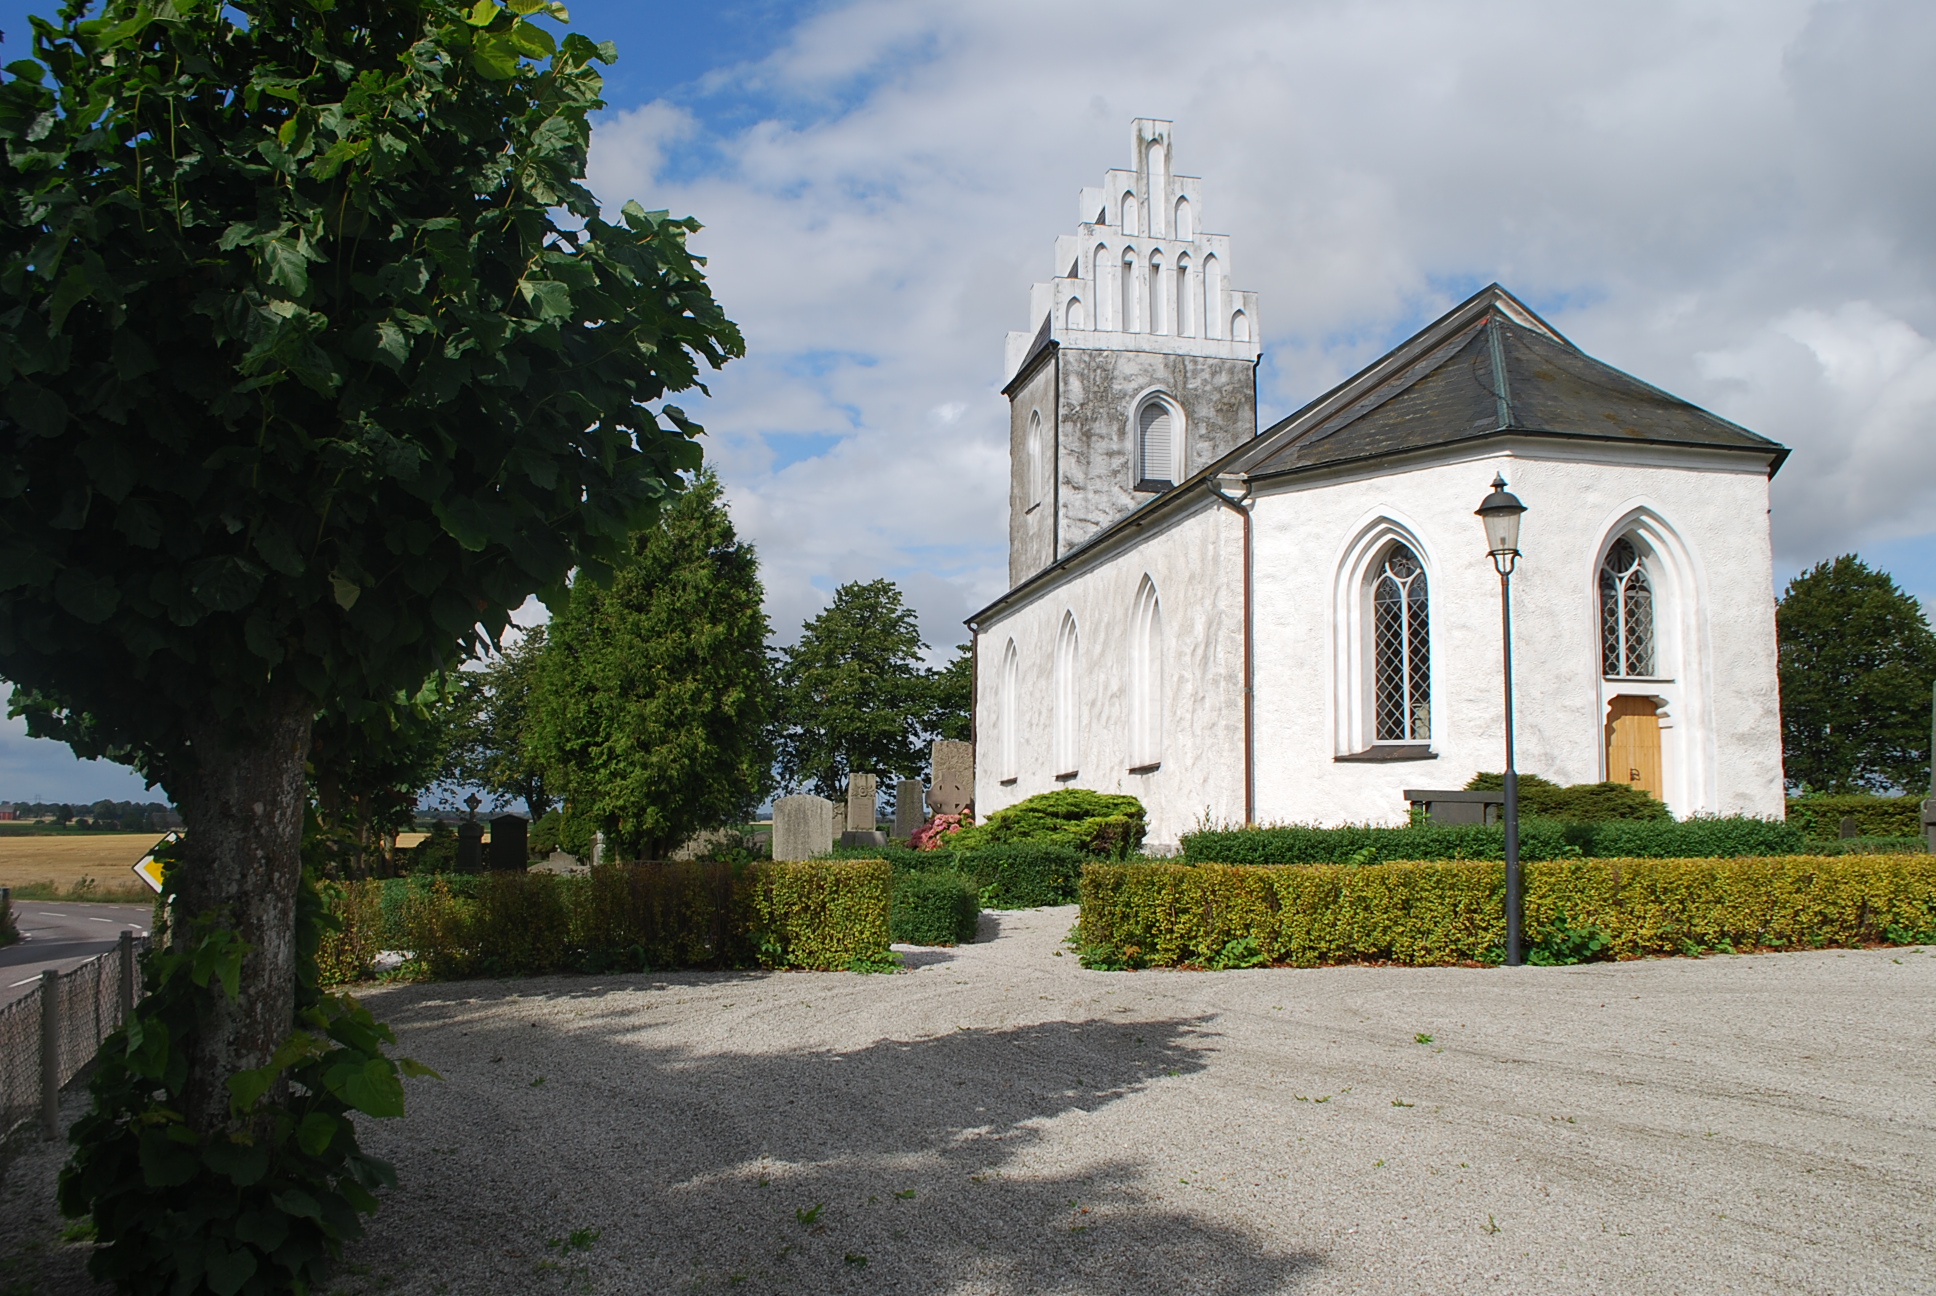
x=9, y=932
x=1097, y=824
x=933, y=907
x=436, y=853
x=1875, y=816
x=544, y=834
x=1160, y=914
x=1539, y=839
x=1868, y=846
x=819, y=914
x=1580, y=802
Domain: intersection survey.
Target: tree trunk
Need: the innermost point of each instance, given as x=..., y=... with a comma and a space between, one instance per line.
x=242, y=810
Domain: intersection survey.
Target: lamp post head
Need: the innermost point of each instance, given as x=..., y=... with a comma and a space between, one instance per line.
x=1500, y=512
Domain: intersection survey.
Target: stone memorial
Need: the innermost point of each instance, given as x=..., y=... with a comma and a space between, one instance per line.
x=510, y=848
x=951, y=781
x=470, y=847
x=803, y=827
x=1849, y=828
x=909, y=808
x=862, y=792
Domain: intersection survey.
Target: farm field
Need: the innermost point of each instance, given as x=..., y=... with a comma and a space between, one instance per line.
x=105, y=857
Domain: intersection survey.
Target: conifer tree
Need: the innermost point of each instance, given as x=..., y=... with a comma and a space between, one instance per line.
x=652, y=705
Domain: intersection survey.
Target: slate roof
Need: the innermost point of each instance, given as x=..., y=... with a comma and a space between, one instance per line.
x=1488, y=366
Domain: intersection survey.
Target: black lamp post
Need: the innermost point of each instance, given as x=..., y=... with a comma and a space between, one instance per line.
x=1500, y=513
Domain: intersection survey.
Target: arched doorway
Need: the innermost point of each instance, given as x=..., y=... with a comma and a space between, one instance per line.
x=1633, y=743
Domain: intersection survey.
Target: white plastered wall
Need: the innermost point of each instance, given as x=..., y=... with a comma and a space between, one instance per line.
x=1195, y=566
x=1701, y=517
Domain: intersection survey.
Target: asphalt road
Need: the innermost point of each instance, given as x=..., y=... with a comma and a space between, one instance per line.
x=60, y=936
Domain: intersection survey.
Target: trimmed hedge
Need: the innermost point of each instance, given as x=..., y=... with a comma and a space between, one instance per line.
x=1875, y=816
x=1590, y=802
x=933, y=908
x=1539, y=839
x=821, y=914
x=1155, y=914
x=1011, y=875
x=1101, y=824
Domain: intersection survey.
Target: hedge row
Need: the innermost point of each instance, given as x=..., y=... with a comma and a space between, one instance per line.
x=1013, y=875
x=933, y=908
x=1539, y=839
x=1160, y=914
x=822, y=914
x=1875, y=816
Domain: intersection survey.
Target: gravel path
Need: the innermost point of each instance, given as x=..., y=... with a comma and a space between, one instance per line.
x=997, y=1120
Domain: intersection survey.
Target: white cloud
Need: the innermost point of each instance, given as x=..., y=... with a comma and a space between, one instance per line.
x=1728, y=199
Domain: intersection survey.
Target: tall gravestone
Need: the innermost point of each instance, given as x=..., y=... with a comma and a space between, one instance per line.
x=951, y=780
x=510, y=847
x=803, y=827
x=909, y=796
x=470, y=847
x=863, y=790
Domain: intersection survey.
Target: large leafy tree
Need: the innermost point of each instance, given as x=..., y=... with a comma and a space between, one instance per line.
x=491, y=746
x=951, y=696
x=853, y=693
x=652, y=709
x=317, y=358
x=1857, y=659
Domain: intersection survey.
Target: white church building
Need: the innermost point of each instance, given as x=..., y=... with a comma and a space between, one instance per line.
x=1298, y=625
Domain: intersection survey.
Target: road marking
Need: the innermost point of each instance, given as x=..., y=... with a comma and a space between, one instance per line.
x=105, y=920
x=29, y=981
x=44, y=914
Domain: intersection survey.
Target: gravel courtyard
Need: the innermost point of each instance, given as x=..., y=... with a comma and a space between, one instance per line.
x=999, y=1120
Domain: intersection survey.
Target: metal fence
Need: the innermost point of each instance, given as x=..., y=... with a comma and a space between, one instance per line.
x=49, y=1036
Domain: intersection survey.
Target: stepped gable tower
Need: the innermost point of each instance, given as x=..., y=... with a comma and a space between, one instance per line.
x=1139, y=366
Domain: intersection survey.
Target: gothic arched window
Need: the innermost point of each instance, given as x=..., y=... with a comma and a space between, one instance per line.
x=1127, y=316
x=1185, y=225
x=1401, y=649
x=1159, y=319
x=1145, y=678
x=1212, y=297
x=1239, y=327
x=1158, y=436
x=1072, y=314
x=1186, y=310
x=1067, y=722
x=1626, y=613
x=1129, y=214
x=1008, y=713
x=1035, y=473
x=1099, y=272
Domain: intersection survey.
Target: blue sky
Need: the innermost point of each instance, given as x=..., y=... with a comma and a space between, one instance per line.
x=1728, y=198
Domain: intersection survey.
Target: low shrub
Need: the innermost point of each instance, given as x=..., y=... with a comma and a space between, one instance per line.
x=436, y=853
x=1007, y=875
x=1875, y=816
x=933, y=907
x=822, y=914
x=1579, y=802
x=9, y=932
x=1539, y=839
x=1867, y=846
x=1097, y=824
x=1163, y=914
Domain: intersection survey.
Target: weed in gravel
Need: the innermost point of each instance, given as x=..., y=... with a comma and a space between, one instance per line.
x=809, y=1216
x=855, y=1259
x=1400, y=1102
x=906, y=1194
x=79, y=1231
x=1492, y=1225
x=1421, y=1038
x=535, y=1083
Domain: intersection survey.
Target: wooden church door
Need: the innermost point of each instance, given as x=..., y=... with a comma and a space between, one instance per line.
x=1633, y=744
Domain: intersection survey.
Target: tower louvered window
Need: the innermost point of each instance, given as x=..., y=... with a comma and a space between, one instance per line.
x=1626, y=613
x=1402, y=674
x=1156, y=445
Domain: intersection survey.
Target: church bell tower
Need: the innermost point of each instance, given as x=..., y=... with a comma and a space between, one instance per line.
x=1140, y=365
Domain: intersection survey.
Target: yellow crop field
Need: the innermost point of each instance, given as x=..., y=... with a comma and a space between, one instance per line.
x=105, y=857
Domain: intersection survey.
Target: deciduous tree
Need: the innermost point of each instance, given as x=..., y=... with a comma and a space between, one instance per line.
x=1857, y=658
x=491, y=748
x=853, y=693
x=318, y=358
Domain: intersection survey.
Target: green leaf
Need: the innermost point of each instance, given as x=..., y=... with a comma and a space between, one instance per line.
x=482, y=13
x=345, y=591
x=90, y=598
x=164, y=1162
x=247, y=1087
x=285, y=265
x=225, y=583
x=495, y=56
x=552, y=300
x=242, y=1164
x=264, y=1230
x=40, y=411
x=227, y=1270
x=295, y=1201
x=533, y=40
x=413, y=1068
x=315, y=1132
x=20, y=566
x=372, y=1089
x=73, y=289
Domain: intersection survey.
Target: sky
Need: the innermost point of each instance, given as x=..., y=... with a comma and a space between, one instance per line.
x=1729, y=200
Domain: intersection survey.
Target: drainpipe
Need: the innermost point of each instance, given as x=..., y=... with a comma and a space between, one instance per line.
x=1240, y=482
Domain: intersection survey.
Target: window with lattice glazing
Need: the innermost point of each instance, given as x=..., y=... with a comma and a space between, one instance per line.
x=1626, y=613
x=1401, y=653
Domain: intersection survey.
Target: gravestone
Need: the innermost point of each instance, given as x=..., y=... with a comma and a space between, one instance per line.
x=598, y=848
x=1849, y=828
x=803, y=827
x=863, y=790
x=909, y=799
x=510, y=847
x=470, y=847
x=951, y=780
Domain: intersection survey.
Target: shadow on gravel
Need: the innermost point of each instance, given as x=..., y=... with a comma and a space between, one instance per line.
x=910, y=1165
